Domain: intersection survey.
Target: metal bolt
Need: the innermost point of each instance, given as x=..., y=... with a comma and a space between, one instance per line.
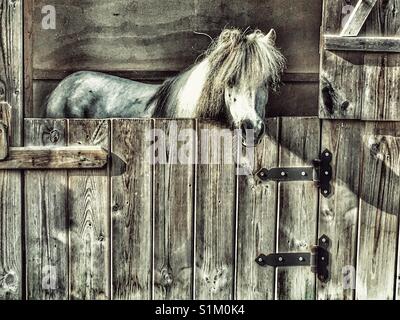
x=327, y=154
x=301, y=259
x=283, y=173
x=323, y=240
x=323, y=258
x=325, y=191
x=303, y=173
x=260, y=260
x=326, y=173
x=262, y=174
x=280, y=259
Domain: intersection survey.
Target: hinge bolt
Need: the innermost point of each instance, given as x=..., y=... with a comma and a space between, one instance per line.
x=283, y=173
x=301, y=259
x=327, y=154
x=280, y=259
x=326, y=173
x=303, y=173
x=323, y=240
x=262, y=174
x=260, y=260
x=325, y=191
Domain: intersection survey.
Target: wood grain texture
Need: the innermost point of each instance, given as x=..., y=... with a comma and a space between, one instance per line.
x=373, y=94
x=338, y=216
x=215, y=214
x=89, y=216
x=28, y=58
x=358, y=17
x=11, y=86
x=379, y=210
x=382, y=71
x=173, y=199
x=37, y=157
x=256, y=230
x=143, y=35
x=363, y=44
x=131, y=191
x=46, y=218
x=297, y=206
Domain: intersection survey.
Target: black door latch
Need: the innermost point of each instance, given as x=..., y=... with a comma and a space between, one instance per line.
x=320, y=173
x=317, y=259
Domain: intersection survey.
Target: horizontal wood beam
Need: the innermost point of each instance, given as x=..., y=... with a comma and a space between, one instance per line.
x=366, y=44
x=75, y=157
x=357, y=18
x=158, y=76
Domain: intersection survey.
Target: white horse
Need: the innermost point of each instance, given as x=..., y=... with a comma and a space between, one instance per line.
x=230, y=84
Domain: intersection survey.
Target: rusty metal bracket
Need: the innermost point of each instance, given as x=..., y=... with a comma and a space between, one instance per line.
x=320, y=173
x=317, y=259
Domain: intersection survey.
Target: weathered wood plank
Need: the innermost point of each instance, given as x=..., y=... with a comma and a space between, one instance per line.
x=46, y=218
x=11, y=88
x=131, y=210
x=173, y=199
x=374, y=77
x=358, y=17
x=364, y=44
x=298, y=206
x=379, y=209
x=89, y=216
x=382, y=71
x=28, y=58
x=50, y=157
x=256, y=230
x=339, y=213
x=215, y=214
x=338, y=99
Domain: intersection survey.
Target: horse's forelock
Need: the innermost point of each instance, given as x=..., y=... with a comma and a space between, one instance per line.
x=244, y=56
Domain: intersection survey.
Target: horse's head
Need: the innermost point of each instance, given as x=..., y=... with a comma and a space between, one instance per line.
x=243, y=68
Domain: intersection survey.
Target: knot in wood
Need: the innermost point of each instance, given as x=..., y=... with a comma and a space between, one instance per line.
x=54, y=136
x=167, y=278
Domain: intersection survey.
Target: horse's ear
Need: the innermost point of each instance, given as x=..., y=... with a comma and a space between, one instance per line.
x=271, y=36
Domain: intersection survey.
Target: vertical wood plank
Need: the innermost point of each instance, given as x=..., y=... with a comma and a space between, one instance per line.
x=339, y=213
x=379, y=210
x=215, y=212
x=338, y=99
x=382, y=71
x=46, y=195
x=89, y=219
x=11, y=85
x=28, y=58
x=173, y=209
x=256, y=232
x=298, y=206
x=131, y=210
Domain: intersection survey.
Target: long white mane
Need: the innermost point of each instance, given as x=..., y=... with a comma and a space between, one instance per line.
x=234, y=57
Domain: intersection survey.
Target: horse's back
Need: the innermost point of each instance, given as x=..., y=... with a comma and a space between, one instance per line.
x=88, y=94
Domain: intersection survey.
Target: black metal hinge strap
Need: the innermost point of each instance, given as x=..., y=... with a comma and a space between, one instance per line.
x=317, y=259
x=320, y=173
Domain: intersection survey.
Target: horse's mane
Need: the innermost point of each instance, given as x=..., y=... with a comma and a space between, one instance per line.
x=234, y=57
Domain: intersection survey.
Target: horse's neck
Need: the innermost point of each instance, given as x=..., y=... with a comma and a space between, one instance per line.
x=190, y=92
